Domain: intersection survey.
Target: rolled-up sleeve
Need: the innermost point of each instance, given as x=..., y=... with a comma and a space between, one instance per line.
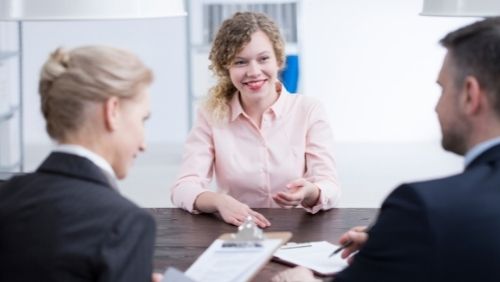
x=320, y=162
x=197, y=165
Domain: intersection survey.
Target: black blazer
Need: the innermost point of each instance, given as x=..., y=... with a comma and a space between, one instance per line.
x=441, y=230
x=65, y=223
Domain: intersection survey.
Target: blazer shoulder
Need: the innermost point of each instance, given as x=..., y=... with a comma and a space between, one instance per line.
x=435, y=186
x=453, y=192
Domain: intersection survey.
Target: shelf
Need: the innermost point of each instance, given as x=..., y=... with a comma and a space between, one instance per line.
x=8, y=115
x=247, y=2
x=11, y=117
x=205, y=48
x=6, y=55
x=290, y=48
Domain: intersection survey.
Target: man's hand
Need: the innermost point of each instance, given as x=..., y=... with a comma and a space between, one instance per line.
x=358, y=237
x=296, y=274
x=157, y=277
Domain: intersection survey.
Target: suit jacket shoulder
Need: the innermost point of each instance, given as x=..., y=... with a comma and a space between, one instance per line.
x=85, y=230
x=440, y=230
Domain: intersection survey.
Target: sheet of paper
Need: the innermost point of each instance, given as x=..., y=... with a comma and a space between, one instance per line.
x=231, y=264
x=173, y=274
x=313, y=255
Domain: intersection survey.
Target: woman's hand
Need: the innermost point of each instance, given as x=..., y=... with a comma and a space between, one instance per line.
x=300, y=191
x=235, y=212
x=358, y=236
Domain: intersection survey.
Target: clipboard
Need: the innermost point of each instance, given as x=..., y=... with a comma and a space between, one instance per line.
x=237, y=257
x=312, y=255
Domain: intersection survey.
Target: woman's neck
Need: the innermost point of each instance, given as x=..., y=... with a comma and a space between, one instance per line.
x=256, y=108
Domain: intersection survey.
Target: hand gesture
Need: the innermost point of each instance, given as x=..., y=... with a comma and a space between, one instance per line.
x=234, y=212
x=300, y=191
x=358, y=237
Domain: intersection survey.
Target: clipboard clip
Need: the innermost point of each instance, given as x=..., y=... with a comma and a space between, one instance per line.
x=248, y=231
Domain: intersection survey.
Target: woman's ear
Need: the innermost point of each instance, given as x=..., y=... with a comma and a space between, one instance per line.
x=111, y=113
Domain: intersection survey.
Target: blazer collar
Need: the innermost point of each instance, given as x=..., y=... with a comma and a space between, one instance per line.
x=73, y=166
x=488, y=156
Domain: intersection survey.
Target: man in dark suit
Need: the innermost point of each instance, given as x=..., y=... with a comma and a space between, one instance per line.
x=446, y=229
x=66, y=221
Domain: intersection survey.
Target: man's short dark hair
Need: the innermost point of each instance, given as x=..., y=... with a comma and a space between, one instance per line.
x=475, y=51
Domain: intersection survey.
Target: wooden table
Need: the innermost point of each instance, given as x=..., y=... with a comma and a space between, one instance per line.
x=182, y=237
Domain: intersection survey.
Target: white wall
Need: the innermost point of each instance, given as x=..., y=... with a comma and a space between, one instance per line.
x=372, y=63
x=161, y=44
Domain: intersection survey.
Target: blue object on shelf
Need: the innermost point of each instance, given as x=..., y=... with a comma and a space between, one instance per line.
x=290, y=74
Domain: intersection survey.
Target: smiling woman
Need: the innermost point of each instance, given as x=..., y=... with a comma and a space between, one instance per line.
x=265, y=147
x=254, y=74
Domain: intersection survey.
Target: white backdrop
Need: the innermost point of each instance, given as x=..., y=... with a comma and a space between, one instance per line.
x=161, y=43
x=372, y=63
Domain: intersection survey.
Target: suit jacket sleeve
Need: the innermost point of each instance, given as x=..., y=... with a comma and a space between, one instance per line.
x=127, y=253
x=400, y=244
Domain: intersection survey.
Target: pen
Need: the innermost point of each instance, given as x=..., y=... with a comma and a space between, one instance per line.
x=348, y=243
x=345, y=245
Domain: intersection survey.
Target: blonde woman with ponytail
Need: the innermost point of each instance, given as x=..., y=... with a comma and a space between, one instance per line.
x=67, y=221
x=265, y=147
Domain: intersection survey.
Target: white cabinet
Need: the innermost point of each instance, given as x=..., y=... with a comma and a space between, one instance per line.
x=10, y=99
x=205, y=17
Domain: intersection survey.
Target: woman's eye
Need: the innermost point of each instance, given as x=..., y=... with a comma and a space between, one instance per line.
x=239, y=63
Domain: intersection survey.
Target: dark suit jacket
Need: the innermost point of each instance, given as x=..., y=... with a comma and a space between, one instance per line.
x=441, y=230
x=65, y=223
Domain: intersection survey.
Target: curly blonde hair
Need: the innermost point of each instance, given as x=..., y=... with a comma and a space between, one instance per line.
x=70, y=79
x=231, y=38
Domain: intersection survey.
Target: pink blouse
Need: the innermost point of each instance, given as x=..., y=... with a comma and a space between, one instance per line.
x=251, y=164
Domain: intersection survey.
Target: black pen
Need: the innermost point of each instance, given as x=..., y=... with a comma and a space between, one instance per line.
x=348, y=243
x=345, y=245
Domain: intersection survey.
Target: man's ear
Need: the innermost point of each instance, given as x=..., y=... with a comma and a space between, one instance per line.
x=474, y=96
x=111, y=113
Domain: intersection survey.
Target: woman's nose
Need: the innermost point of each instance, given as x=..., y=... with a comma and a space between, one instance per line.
x=253, y=69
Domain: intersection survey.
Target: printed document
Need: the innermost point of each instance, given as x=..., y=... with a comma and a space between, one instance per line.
x=313, y=255
x=226, y=261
